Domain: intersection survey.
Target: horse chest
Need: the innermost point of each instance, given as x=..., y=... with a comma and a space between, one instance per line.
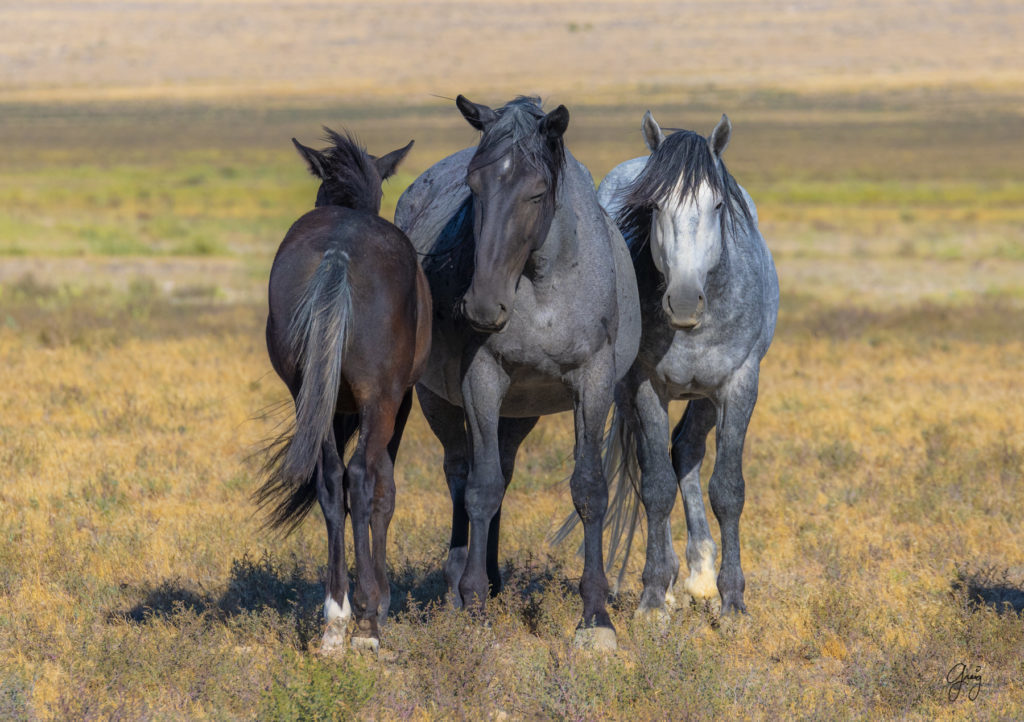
x=542, y=338
x=689, y=368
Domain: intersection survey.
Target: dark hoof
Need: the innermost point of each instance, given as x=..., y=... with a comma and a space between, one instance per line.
x=733, y=606
x=599, y=634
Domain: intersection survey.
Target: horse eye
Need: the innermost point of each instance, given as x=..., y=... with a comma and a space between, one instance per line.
x=719, y=206
x=538, y=198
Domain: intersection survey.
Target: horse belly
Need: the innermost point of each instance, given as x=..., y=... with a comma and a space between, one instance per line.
x=536, y=397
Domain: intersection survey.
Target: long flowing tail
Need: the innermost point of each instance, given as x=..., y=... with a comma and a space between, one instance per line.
x=622, y=472
x=317, y=336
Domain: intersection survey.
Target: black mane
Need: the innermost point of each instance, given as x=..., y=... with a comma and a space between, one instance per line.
x=351, y=177
x=686, y=151
x=516, y=129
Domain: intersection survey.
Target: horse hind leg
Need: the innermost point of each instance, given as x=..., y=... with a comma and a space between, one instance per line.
x=590, y=498
x=384, y=508
x=331, y=495
x=511, y=433
x=369, y=468
x=448, y=422
x=727, y=488
x=689, y=440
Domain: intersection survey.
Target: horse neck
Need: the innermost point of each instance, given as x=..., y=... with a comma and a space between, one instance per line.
x=722, y=281
x=560, y=246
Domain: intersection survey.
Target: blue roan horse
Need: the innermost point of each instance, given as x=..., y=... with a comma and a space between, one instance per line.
x=709, y=297
x=536, y=312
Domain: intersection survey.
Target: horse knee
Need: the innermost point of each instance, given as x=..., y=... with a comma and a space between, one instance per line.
x=659, y=495
x=726, y=494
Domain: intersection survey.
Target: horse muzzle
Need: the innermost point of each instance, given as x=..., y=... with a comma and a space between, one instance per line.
x=684, y=308
x=485, y=317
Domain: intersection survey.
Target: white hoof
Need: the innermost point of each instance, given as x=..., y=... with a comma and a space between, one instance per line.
x=366, y=644
x=711, y=607
x=598, y=639
x=702, y=582
x=334, y=638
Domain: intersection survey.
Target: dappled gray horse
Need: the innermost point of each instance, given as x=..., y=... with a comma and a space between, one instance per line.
x=536, y=312
x=709, y=298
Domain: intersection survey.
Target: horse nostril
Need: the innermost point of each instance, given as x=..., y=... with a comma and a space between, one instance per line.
x=502, y=307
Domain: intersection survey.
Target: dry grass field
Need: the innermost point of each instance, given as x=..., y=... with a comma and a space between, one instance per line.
x=145, y=180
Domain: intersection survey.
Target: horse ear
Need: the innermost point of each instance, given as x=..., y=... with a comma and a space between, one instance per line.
x=386, y=164
x=720, y=136
x=553, y=125
x=478, y=116
x=314, y=159
x=653, y=136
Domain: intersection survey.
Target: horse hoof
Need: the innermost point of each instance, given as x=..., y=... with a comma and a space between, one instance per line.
x=701, y=585
x=455, y=600
x=454, y=566
x=366, y=644
x=597, y=639
x=334, y=638
x=653, y=615
x=734, y=607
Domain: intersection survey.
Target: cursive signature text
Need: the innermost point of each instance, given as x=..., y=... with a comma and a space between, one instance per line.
x=959, y=677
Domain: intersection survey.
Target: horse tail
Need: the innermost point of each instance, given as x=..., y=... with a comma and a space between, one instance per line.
x=317, y=336
x=622, y=471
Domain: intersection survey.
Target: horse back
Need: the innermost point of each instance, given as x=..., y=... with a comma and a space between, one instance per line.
x=389, y=328
x=426, y=206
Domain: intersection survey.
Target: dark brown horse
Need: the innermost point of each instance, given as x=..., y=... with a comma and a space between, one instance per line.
x=348, y=332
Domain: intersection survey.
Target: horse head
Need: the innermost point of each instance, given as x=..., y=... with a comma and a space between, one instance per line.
x=513, y=177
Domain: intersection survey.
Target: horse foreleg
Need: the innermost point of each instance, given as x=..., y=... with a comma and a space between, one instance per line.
x=727, y=487
x=658, y=491
x=689, y=440
x=483, y=387
x=590, y=497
